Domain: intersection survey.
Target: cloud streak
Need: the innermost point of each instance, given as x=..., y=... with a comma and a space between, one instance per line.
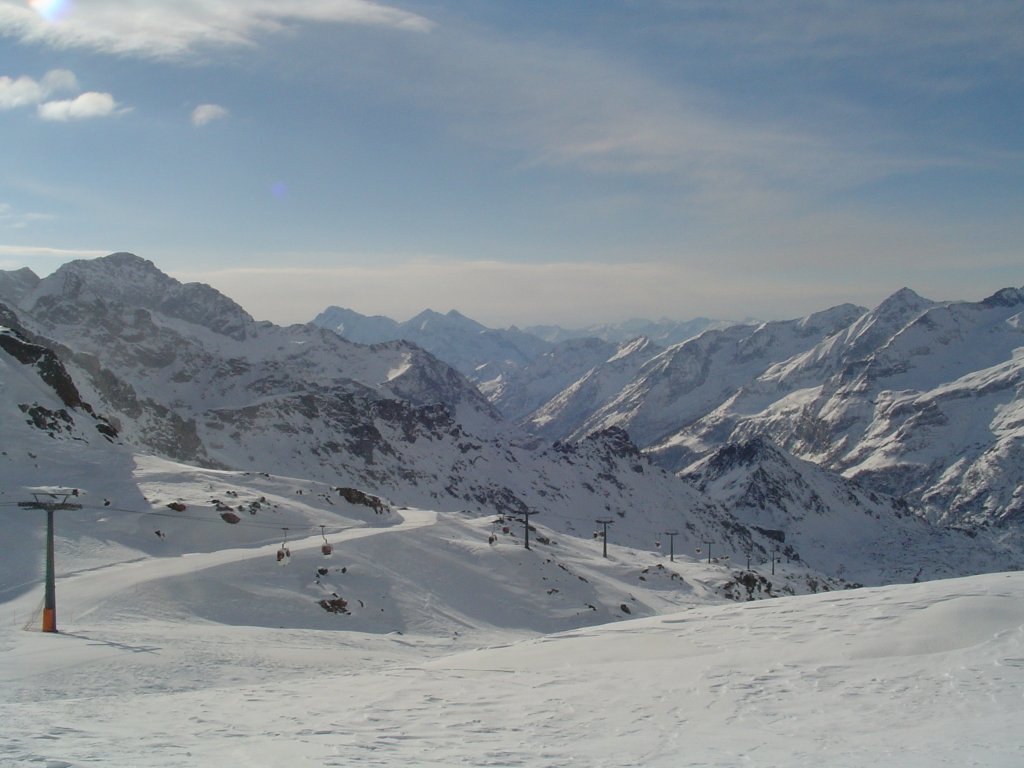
x=12, y=219
x=575, y=108
x=37, y=251
x=176, y=28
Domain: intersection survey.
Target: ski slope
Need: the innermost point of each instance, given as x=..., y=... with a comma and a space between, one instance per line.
x=216, y=659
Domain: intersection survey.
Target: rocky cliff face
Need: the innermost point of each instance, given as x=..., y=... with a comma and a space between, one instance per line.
x=42, y=389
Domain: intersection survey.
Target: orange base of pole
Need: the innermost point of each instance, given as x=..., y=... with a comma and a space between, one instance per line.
x=49, y=620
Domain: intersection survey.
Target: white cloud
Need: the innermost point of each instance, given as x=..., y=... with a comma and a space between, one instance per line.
x=26, y=92
x=82, y=107
x=22, y=92
x=172, y=28
x=207, y=113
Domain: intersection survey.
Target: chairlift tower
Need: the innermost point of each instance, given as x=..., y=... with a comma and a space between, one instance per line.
x=50, y=500
x=671, y=545
x=526, y=526
x=604, y=534
x=707, y=543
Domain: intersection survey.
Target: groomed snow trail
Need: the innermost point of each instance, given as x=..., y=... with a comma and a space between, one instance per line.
x=84, y=590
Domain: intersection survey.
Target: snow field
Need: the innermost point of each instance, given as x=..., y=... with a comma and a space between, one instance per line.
x=223, y=658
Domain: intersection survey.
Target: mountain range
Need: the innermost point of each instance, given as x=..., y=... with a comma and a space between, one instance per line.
x=915, y=398
x=109, y=360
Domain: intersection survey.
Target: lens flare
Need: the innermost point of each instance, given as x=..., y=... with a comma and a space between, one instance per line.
x=51, y=10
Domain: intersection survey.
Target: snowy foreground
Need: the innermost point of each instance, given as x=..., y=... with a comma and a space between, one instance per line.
x=210, y=660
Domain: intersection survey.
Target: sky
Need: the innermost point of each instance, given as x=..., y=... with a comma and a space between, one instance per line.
x=527, y=162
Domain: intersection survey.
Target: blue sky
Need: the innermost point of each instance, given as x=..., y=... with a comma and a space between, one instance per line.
x=522, y=162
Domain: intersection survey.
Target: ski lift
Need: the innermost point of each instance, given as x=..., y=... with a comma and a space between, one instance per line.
x=657, y=544
x=326, y=549
x=284, y=554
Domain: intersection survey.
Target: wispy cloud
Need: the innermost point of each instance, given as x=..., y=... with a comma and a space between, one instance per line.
x=585, y=109
x=13, y=219
x=846, y=29
x=207, y=113
x=172, y=28
x=594, y=108
x=38, y=251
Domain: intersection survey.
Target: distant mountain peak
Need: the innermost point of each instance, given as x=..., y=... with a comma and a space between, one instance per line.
x=903, y=299
x=429, y=318
x=127, y=279
x=17, y=283
x=1005, y=297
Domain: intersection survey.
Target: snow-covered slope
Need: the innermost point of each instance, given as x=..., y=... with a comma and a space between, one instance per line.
x=211, y=659
x=686, y=381
x=837, y=527
x=562, y=414
x=518, y=391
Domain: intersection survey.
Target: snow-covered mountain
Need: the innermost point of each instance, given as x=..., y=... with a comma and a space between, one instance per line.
x=184, y=373
x=520, y=371
x=685, y=381
x=916, y=398
x=178, y=365
x=478, y=352
x=836, y=526
x=562, y=415
x=517, y=393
